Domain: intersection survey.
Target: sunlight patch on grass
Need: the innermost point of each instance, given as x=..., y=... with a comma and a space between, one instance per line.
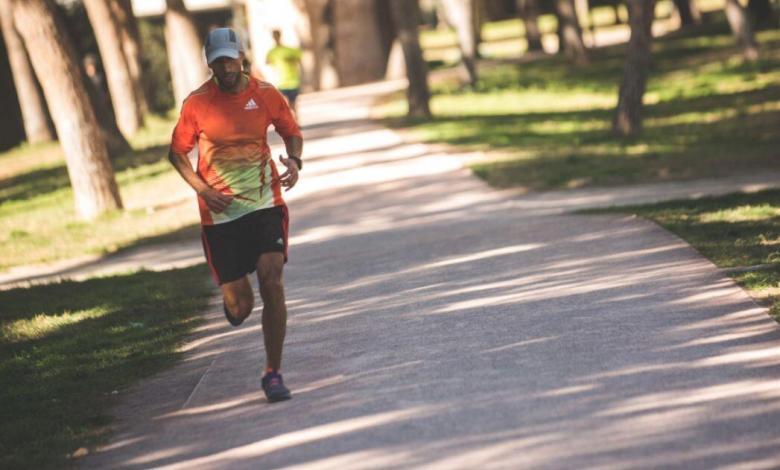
x=41, y=325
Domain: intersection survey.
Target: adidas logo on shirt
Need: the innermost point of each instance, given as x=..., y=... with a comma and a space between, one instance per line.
x=250, y=104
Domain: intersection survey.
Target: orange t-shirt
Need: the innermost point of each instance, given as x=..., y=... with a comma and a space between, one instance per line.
x=233, y=153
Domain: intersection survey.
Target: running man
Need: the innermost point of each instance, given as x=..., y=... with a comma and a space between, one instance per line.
x=243, y=215
x=287, y=63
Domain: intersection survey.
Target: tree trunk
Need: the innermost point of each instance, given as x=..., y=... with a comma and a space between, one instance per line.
x=120, y=83
x=131, y=40
x=529, y=12
x=321, y=23
x=459, y=15
x=762, y=12
x=33, y=107
x=742, y=29
x=406, y=15
x=91, y=175
x=570, y=32
x=359, y=42
x=689, y=12
x=185, y=51
x=628, y=116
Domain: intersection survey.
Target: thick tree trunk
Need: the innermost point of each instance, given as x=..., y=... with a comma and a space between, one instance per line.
x=33, y=107
x=91, y=175
x=460, y=16
x=529, y=12
x=628, y=116
x=185, y=51
x=131, y=46
x=360, y=43
x=689, y=12
x=406, y=16
x=120, y=83
x=742, y=29
x=762, y=13
x=570, y=32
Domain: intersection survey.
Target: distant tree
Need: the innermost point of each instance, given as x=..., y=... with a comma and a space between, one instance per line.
x=763, y=13
x=460, y=15
x=742, y=29
x=185, y=50
x=131, y=46
x=406, y=16
x=121, y=85
x=54, y=61
x=570, y=32
x=31, y=102
x=628, y=116
x=689, y=12
x=362, y=39
x=529, y=12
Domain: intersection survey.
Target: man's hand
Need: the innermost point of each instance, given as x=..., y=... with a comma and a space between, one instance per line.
x=215, y=200
x=289, y=177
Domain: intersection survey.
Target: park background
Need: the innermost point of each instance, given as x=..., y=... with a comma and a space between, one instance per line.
x=550, y=94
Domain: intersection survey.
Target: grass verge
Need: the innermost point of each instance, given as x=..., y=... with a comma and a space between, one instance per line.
x=65, y=348
x=38, y=222
x=546, y=124
x=737, y=232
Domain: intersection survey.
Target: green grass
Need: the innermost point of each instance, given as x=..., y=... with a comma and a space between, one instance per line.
x=733, y=231
x=65, y=348
x=546, y=124
x=38, y=222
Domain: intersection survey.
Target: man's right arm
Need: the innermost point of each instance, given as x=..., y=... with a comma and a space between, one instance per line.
x=216, y=201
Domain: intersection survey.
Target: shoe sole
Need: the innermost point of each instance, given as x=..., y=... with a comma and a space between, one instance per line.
x=274, y=399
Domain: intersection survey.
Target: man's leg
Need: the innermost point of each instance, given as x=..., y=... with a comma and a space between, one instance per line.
x=239, y=299
x=270, y=276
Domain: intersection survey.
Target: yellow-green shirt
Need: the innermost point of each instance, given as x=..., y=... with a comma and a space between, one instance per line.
x=285, y=60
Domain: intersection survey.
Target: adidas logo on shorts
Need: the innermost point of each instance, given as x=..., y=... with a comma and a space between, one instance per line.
x=280, y=242
x=250, y=104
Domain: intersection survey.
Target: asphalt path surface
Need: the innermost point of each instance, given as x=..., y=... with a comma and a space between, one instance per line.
x=437, y=323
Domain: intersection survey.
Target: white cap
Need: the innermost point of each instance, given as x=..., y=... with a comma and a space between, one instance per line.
x=222, y=42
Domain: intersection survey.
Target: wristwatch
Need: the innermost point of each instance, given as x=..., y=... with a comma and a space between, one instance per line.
x=298, y=161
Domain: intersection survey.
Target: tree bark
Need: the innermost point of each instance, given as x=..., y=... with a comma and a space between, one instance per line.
x=120, y=82
x=359, y=41
x=689, y=12
x=742, y=29
x=131, y=46
x=529, y=12
x=459, y=15
x=89, y=169
x=570, y=35
x=406, y=15
x=628, y=116
x=33, y=107
x=185, y=50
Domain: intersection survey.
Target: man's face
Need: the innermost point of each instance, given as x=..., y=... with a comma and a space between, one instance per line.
x=227, y=71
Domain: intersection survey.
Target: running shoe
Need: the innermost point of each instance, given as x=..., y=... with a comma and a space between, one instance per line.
x=274, y=388
x=233, y=321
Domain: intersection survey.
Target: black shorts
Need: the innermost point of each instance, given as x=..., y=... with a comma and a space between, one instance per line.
x=291, y=94
x=233, y=248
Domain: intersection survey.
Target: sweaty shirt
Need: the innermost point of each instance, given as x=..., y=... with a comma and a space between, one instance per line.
x=285, y=61
x=233, y=154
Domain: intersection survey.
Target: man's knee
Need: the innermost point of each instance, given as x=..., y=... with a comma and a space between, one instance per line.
x=239, y=308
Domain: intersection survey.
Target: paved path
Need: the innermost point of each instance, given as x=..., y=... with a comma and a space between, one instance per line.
x=436, y=323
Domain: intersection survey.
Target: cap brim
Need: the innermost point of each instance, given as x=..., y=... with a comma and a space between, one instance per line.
x=224, y=52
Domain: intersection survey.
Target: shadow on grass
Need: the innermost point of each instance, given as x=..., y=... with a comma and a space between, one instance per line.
x=65, y=348
x=575, y=148
x=46, y=180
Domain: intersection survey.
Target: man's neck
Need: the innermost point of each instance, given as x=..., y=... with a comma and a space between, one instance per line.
x=240, y=85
